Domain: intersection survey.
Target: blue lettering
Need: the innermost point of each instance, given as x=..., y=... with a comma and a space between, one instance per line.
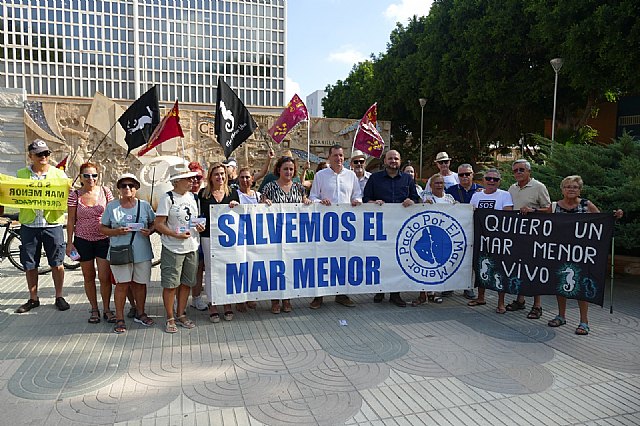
x=367, y=234
x=259, y=277
x=276, y=275
x=245, y=230
x=373, y=269
x=356, y=272
x=349, y=232
x=380, y=236
x=309, y=227
x=260, y=238
x=322, y=272
x=330, y=228
x=237, y=279
x=303, y=276
x=458, y=246
x=290, y=221
x=337, y=271
x=274, y=225
x=223, y=222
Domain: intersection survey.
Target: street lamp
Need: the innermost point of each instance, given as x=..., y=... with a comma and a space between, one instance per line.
x=423, y=102
x=556, y=63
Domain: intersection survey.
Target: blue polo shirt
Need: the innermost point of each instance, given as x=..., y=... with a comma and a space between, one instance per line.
x=461, y=195
x=381, y=186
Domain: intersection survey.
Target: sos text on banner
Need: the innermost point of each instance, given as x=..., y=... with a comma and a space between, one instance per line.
x=291, y=250
x=535, y=254
x=46, y=194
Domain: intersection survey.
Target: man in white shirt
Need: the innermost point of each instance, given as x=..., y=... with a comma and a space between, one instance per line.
x=335, y=185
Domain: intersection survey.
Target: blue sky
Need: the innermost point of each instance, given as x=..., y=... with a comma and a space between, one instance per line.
x=327, y=37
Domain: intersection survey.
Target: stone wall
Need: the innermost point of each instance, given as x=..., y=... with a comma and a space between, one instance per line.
x=12, y=130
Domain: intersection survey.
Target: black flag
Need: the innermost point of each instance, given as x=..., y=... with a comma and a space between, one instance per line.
x=233, y=124
x=141, y=119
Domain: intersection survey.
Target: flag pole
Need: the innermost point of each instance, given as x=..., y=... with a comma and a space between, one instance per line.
x=153, y=182
x=308, y=138
x=613, y=248
x=92, y=152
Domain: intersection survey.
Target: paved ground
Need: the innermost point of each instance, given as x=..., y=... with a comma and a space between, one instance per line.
x=434, y=364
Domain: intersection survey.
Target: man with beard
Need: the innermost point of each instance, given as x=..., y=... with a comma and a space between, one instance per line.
x=391, y=186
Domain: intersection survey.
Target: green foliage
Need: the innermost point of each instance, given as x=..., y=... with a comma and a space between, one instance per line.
x=611, y=176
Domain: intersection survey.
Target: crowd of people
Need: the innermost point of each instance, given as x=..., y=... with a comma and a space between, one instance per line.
x=110, y=236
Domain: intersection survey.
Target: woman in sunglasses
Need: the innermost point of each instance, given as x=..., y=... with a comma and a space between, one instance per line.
x=129, y=221
x=86, y=243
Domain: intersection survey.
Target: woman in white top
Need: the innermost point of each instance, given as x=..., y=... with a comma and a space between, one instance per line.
x=408, y=169
x=491, y=198
x=246, y=196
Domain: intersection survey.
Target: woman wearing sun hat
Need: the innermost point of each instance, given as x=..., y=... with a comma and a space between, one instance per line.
x=175, y=220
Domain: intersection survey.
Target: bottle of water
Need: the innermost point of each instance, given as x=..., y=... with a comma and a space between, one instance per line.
x=74, y=255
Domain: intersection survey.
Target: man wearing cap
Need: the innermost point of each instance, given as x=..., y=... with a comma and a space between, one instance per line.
x=391, y=186
x=335, y=185
x=232, y=172
x=176, y=221
x=443, y=161
x=41, y=228
x=357, y=165
x=462, y=193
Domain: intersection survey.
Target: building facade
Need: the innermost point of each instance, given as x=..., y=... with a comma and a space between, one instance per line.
x=120, y=48
x=314, y=103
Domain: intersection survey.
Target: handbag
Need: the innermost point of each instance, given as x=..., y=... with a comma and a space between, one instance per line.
x=123, y=255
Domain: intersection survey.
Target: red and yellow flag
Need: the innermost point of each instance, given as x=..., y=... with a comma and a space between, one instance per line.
x=367, y=138
x=168, y=128
x=293, y=113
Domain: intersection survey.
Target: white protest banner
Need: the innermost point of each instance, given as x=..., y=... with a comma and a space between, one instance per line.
x=288, y=251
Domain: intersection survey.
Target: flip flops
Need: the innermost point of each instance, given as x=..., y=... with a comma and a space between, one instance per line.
x=476, y=302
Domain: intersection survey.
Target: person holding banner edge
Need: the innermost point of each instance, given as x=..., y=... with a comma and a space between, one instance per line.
x=391, y=186
x=529, y=196
x=335, y=185
x=41, y=227
x=284, y=190
x=571, y=202
x=216, y=192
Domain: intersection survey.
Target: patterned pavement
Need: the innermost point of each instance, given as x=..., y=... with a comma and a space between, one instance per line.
x=442, y=364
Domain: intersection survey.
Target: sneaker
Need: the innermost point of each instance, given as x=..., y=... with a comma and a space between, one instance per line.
x=29, y=306
x=61, y=304
x=316, y=303
x=469, y=294
x=199, y=303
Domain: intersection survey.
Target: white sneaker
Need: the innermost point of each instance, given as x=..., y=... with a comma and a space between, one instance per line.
x=199, y=303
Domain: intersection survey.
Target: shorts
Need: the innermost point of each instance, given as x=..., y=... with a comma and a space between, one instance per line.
x=176, y=269
x=200, y=254
x=89, y=250
x=137, y=272
x=34, y=239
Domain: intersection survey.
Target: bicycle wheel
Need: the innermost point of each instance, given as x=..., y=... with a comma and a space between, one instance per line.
x=13, y=253
x=156, y=246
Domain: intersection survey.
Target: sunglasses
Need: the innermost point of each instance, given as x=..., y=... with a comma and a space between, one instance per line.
x=127, y=185
x=358, y=161
x=492, y=179
x=43, y=154
x=198, y=178
x=443, y=162
x=90, y=175
x=519, y=170
x=464, y=174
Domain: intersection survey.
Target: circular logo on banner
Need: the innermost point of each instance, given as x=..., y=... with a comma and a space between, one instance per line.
x=430, y=247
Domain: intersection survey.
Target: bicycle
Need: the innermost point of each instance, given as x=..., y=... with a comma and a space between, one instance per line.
x=11, y=242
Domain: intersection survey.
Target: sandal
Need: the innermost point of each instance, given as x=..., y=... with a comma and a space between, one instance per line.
x=476, y=302
x=109, y=316
x=171, y=328
x=143, y=320
x=120, y=327
x=516, y=306
x=535, y=312
x=500, y=310
x=421, y=300
x=186, y=323
x=95, y=316
x=132, y=312
x=228, y=316
x=435, y=299
x=214, y=317
x=557, y=321
x=583, y=329
x=275, y=308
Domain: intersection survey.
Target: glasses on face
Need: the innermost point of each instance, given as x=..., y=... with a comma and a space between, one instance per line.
x=127, y=185
x=198, y=178
x=443, y=162
x=90, y=175
x=519, y=170
x=358, y=161
x=467, y=174
x=492, y=179
x=43, y=154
